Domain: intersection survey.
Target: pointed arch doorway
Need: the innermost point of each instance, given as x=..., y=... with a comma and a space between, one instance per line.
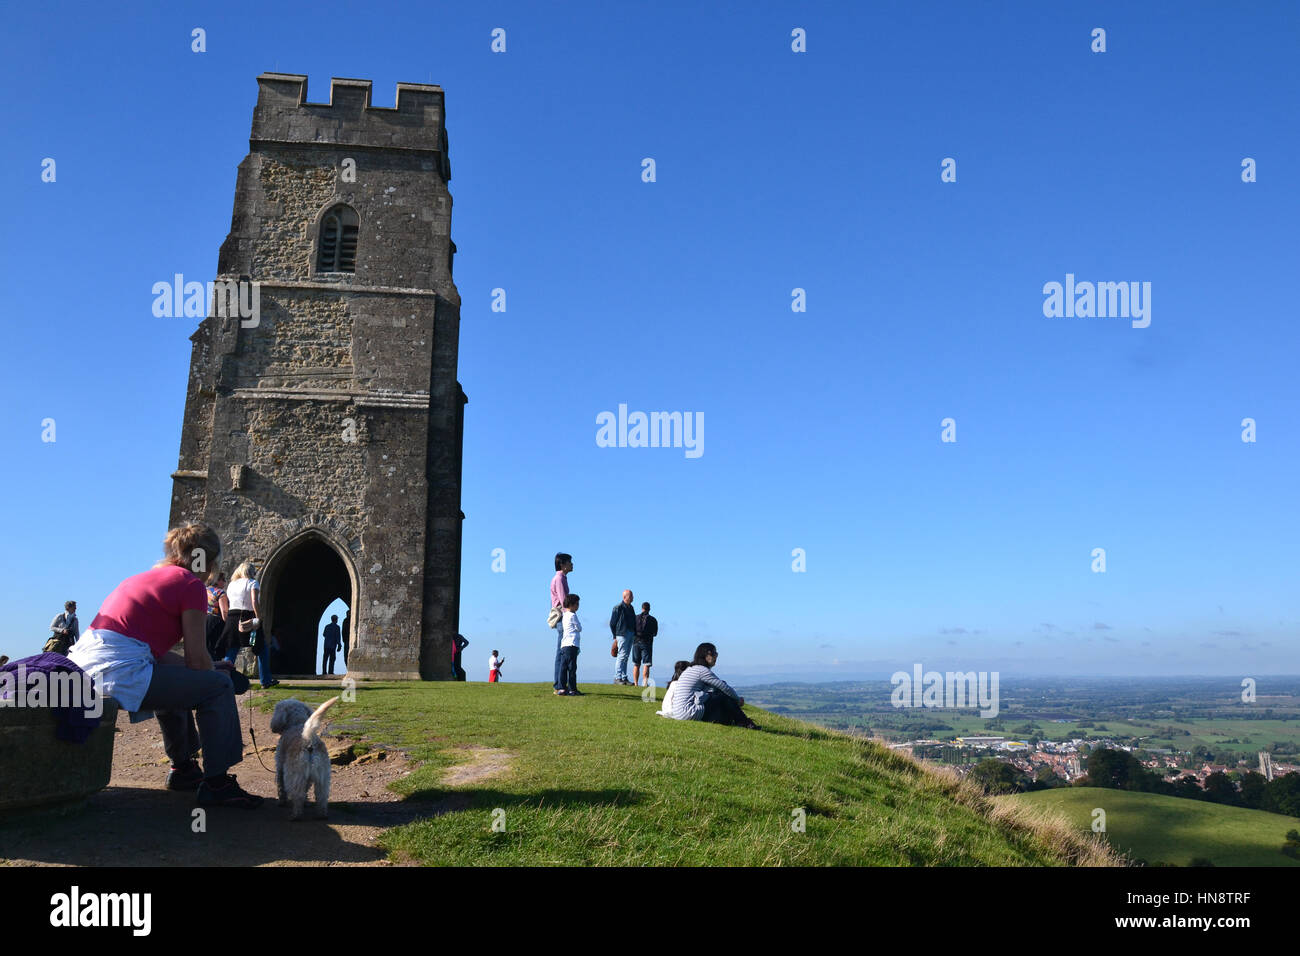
x=303, y=577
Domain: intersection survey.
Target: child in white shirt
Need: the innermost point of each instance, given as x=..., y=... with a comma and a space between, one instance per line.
x=572, y=628
x=494, y=668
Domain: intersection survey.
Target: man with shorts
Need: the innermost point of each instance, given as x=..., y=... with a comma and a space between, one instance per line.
x=646, y=629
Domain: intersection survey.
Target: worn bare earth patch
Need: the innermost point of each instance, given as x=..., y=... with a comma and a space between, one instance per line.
x=483, y=763
x=136, y=822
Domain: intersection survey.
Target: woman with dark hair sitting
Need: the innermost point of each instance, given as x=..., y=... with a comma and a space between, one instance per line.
x=700, y=694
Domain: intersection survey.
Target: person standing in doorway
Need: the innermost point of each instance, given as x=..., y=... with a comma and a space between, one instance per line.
x=560, y=591
x=458, y=647
x=347, y=636
x=646, y=629
x=495, y=663
x=622, y=624
x=333, y=638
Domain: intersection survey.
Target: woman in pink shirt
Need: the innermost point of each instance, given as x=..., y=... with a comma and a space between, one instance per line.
x=127, y=652
x=560, y=591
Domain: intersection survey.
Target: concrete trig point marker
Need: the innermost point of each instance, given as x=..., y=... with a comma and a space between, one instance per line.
x=359, y=320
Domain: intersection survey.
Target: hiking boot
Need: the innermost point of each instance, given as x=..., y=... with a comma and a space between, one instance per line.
x=226, y=792
x=187, y=777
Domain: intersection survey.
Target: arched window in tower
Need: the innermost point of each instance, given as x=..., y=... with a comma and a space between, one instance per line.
x=337, y=249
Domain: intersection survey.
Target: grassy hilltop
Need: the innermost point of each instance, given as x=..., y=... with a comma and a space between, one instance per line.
x=600, y=780
x=1162, y=829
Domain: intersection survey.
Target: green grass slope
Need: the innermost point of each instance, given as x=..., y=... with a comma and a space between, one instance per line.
x=600, y=780
x=1161, y=829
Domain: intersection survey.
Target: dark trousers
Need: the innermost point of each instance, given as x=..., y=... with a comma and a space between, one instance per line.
x=179, y=697
x=559, y=636
x=721, y=709
x=569, y=669
x=457, y=670
x=327, y=661
x=214, y=627
x=232, y=638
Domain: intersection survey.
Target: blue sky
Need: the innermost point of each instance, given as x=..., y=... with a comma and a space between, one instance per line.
x=775, y=170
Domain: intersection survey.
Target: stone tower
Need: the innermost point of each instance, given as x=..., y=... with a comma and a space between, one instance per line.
x=323, y=427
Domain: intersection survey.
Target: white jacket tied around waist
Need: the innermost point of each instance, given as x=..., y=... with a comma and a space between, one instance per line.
x=120, y=666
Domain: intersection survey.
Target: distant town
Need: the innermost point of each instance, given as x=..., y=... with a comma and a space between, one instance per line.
x=1181, y=730
x=1041, y=758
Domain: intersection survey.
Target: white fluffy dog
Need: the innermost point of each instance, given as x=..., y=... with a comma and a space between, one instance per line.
x=301, y=758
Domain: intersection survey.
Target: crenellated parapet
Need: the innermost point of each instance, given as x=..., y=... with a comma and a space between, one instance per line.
x=283, y=115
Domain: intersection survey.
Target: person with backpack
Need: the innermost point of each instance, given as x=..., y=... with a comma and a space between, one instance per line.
x=646, y=629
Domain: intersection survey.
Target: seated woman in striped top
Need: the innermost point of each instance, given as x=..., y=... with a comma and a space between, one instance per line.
x=700, y=694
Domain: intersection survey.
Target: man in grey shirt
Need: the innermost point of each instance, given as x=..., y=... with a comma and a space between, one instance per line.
x=64, y=630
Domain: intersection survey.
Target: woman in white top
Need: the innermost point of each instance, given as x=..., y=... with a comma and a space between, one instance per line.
x=666, y=707
x=241, y=594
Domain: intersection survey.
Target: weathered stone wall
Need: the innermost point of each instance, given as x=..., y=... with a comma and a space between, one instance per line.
x=304, y=340
x=339, y=410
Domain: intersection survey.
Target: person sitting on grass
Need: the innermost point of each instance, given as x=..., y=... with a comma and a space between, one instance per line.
x=700, y=694
x=666, y=708
x=569, y=649
x=125, y=652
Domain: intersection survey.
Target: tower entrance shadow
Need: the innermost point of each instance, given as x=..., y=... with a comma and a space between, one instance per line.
x=303, y=577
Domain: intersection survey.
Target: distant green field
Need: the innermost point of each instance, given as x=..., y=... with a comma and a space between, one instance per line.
x=1164, y=829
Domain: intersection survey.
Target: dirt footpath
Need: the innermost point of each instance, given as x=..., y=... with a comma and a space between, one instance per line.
x=136, y=822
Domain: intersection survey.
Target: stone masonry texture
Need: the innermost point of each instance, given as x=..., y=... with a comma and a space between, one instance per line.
x=323, y=442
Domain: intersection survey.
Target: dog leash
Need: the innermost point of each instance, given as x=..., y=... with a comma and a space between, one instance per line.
x=253, y=734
